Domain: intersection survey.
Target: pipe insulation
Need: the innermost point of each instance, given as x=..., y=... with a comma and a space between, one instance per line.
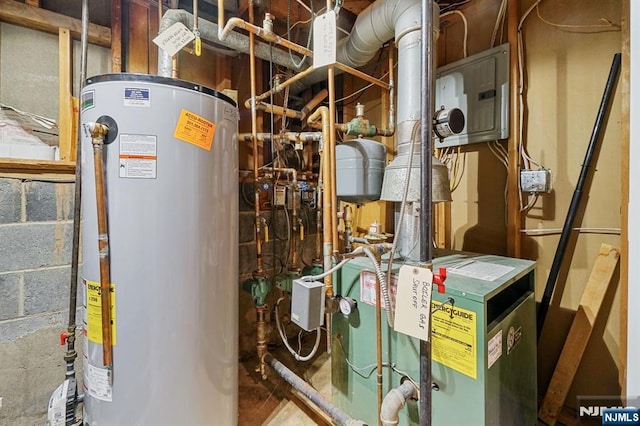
x=336, y=414
x=209, y=32
x=394, y=401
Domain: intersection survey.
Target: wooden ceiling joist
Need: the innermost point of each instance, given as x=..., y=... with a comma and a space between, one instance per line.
x=24, y=15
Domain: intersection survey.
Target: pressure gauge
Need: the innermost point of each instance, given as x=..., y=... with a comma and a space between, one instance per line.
x=347, y=305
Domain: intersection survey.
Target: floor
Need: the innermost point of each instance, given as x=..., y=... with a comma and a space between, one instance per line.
x=272, y=402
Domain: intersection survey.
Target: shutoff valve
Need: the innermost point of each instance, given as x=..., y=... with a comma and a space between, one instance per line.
x=439, y=279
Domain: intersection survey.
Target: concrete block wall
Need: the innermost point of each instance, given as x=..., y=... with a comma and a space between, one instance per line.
x=36, y=227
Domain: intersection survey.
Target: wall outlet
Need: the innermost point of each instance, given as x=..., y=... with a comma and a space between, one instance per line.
x=535, y=181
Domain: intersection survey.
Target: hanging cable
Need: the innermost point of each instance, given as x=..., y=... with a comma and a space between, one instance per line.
x=283, y=336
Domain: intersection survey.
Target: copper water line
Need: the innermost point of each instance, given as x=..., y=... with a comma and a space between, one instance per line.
x=332, y=158
x=327, y=219
x=391, y=120
x=361, y=75
x=260, y=32
x=254, y=132
x=294, y=227
x=98, y=133
x=314, y=102
x=280, y=87
x=290, y=136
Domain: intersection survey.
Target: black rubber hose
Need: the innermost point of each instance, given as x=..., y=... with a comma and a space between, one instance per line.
x=577, y=194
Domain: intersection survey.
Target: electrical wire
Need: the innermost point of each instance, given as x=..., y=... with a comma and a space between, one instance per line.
x=295, y=354
x=466, y=27
x=499, y=21
x=607, y=26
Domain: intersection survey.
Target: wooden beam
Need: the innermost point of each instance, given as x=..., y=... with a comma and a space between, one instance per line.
x=65, y=102
x=624, y=202
x=34, y=3
x=514, y=215
x=11, y=165
x=116, y=36
x=138, y=44
x=579, y=334
x=24, y=15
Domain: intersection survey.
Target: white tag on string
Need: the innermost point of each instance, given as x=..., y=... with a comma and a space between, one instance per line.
x=413, y=301
x=174, y=38
x=324, y=40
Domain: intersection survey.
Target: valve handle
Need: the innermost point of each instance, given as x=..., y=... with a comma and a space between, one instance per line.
x=439, y=279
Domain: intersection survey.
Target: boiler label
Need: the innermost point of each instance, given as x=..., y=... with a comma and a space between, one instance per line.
x=195, y=130
x=454, y=338
x=368, y=289
x=138, y=156
x=94, y=312
x=137, y=97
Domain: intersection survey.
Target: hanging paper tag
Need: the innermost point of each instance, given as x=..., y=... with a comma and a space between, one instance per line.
x=413, y=301
x=324, y=40
x=174, y=38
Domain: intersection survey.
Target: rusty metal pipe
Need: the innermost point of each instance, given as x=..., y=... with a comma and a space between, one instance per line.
x=261, y=339
x=98, y=133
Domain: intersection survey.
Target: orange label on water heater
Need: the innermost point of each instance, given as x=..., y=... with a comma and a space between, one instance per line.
x=195, y=130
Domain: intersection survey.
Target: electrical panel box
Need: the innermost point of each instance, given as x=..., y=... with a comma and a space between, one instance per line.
x=307, y=304
x=479, y=86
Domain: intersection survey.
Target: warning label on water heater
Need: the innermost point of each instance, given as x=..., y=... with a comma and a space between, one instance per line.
x=94, y=312
x=454, y=338
x=195, y=129
x=138, y=156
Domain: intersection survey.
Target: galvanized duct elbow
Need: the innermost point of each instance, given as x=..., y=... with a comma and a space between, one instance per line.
x=209, y=32
x=376, y=25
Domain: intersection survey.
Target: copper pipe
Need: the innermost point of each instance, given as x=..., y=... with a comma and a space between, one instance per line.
x=391, y=120
x=98, y=132
x=327, y=223
x=290, y=136
x=254, y=140
x=268, y=36
x=292, y=172
x=332, y=158
x=361, y=75
x=314, y=102
x=261, y=339
x=280, y=87
x=294, y=227
x=159, y=14
x=275, y=109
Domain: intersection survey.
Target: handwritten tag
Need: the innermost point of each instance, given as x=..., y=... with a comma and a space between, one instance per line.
x=174, y=38
x=413, y=301
x=324, y=40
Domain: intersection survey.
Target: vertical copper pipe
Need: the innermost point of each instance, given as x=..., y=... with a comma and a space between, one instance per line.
x=97, y=140
x=327, y=218
x=254, y=137
x=332, y=158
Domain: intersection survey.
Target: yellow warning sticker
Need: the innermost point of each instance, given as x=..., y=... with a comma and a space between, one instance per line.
x=94, y=312
x=195, y=130
x=454, y=338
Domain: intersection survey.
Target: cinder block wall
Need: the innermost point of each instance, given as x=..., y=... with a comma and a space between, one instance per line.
x=35, y=251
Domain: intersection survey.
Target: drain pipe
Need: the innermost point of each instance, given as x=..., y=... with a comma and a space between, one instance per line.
x=336, y=414
x=209, y=32
x=395, y=400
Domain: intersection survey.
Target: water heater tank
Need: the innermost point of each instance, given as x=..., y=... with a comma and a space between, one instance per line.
x=171, y=183
x=359, y=170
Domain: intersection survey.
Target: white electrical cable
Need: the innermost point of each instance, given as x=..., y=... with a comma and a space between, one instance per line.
x=499, y=22
x=295, y=354
x=466, y=28
x=324, y=274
